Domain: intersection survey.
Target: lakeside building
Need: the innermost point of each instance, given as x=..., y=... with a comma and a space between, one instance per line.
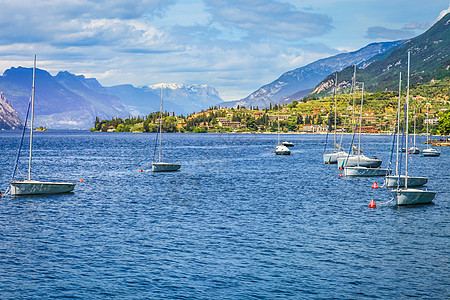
x=313, y=128
x=370, y=120
x=368, y=129
x=282, y=117
x=434, y=121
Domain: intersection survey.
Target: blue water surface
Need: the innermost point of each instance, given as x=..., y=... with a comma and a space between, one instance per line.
x=236, y=222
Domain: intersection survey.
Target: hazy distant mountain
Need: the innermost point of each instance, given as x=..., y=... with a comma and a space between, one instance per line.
x=430, y=59
x=305, y=78
x=9, y=119
x=70, y=101
x=178, y=98
x=62, y=101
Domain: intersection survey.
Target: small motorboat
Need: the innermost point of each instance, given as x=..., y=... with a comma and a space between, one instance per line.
x=287, y=144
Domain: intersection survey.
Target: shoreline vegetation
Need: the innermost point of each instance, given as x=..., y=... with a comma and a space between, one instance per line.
x=309, y=116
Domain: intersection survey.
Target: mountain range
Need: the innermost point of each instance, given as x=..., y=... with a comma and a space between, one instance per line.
x=68, y=101
x=430, y=59
x=298, y=83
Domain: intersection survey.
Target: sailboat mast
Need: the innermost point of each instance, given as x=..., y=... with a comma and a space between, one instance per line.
x=360, y=121
x=335, y=114
x=32, y=117
x=160, y=124
x=398, y=120
x=428, y=121
x=414, y=128
x=353, y=108
x=278, y=123
x=407, y=121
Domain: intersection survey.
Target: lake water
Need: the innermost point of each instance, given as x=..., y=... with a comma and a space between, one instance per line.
x=236, y=222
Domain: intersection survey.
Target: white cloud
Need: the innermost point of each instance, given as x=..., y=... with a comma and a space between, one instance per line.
x=263, y=19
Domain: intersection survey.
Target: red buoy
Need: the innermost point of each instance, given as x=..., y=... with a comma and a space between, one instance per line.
x=340, y=175
x=372, y=204
x=140, y=171
x=81, y=180
x=375, y=185
x=341, y=168
x=0, y=194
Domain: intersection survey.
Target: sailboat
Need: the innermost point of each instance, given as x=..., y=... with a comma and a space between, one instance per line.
x=359, y=169
x=281, y=149
x=159, y=166
x=414, y=149
x=34, y=187
x=407, y=195
x=429, y=151
x=397, y=180
x=331, y=158
x=355, y=157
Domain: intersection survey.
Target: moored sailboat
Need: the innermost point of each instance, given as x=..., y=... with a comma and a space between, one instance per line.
x=358, y=166
x=159, y=166
x=397, y=180
x=331, y=158
x=414, y=149
x=404, y=195
x=355, y=157
x=34, y=187
x=281, y=149
x=430, y=152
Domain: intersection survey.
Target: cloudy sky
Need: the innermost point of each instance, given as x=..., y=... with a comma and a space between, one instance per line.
x=235, y=46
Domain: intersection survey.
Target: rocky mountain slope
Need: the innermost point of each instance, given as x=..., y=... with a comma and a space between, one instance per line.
x=9, y=119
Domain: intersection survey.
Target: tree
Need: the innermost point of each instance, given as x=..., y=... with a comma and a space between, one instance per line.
x=444, y=124
x=200, y=130
x=291, y=126
x=145, y=126
x=120, y=128
x=251, y=123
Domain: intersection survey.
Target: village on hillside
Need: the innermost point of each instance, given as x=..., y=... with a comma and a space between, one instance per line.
x=311, y=116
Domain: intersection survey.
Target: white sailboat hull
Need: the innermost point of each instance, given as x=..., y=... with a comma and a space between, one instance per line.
x=282, y=150
x=332, y=158
x=392, y=181
x=364, y=172
x=361, y=160
x=414, y=196
x=33, y=187
x=430, y=152
x=165, y=167
x=414, y=150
